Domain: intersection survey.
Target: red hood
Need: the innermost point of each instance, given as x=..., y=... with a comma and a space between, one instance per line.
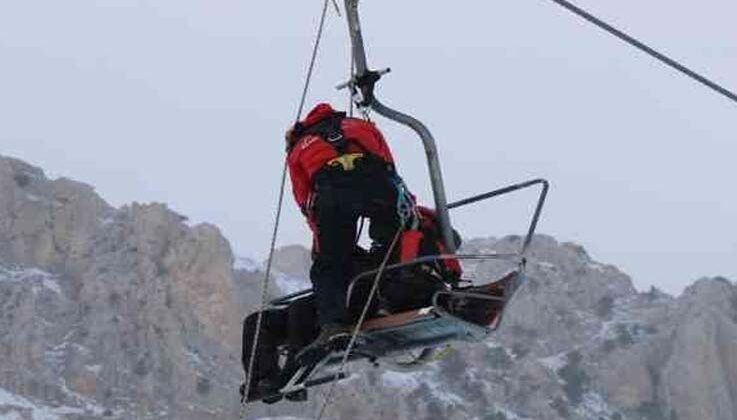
x=320, y=112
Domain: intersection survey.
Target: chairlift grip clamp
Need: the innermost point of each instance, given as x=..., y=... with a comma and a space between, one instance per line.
x=366, y=82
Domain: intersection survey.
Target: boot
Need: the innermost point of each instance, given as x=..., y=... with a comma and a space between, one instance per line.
x=261, y=388
x=332, y=337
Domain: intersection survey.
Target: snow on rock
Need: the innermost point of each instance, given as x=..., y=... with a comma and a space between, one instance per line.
x=287, y=281
x=247, y=264
x=594, y=406
x=13, y=406
x=94, y=369
x=282, y=418
x=33, y=197
x=504, y=413
x=154, y=323
x=16, y=404
x=291, y=284
x=554, y=362
x=404, y=381
x=39, y=279
x=545, y=265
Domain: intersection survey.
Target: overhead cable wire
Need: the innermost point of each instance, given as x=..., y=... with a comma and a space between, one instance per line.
x=277, y=218
x=647, y=49
x=337, y=8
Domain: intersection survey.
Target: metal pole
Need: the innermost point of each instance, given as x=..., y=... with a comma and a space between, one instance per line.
x=354, y=29
x=431, y=151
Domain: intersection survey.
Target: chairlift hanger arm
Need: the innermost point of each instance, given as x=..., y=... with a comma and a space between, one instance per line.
x=428, y=141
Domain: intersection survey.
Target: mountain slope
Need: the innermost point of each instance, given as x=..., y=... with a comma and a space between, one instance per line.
x=143, y=318
x=132, y=313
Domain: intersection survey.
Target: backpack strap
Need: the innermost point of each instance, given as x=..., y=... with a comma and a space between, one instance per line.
x=329, y=129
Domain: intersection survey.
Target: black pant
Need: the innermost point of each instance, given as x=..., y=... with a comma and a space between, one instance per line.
x=341, y=198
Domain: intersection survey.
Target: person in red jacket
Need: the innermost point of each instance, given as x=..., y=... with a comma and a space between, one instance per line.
x=342, y=169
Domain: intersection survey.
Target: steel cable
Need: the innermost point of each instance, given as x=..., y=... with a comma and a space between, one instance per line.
x=647, y=49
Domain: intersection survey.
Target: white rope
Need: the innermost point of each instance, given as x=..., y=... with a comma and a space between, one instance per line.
x=315, y=48
x=361, y=319
x=264, y=293
x=267, y=275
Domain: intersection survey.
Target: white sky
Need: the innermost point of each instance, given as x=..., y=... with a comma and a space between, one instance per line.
x=185, y=102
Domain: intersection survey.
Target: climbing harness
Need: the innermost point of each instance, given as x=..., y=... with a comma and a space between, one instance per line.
x=406, y=206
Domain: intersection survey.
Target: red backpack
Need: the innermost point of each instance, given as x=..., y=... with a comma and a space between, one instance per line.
x=427, y=240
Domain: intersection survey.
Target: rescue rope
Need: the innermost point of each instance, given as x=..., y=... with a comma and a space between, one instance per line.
x=313, y=60
x=280, y=205
x=646, y=49
x=264, y=293
x=361, y=319
x=337, y=8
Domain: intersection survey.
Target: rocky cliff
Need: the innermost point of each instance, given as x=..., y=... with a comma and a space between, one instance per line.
x=132, y=313
x=121, y=313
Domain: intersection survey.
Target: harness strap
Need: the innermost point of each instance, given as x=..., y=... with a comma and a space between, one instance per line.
x=329, y=129
x=346, y=161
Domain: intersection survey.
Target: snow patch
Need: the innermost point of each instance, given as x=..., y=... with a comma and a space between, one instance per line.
x=284, y=282
x=554, y=362
x=546, y=265
x=39, y=279
x=281, y=418
x=33, y=197
x=290, y=284
x=594, y=406
x=55, y=356
x=597, y=267
x=444, y=395
x=623, y=316
x=246, y=264
x=409, y=382
x=195, y=359
x=88, y=404
x=38, y=412
x=52, y=285
x=404, y=381
x=95, y=369
x=7, y=398
x=509, y=414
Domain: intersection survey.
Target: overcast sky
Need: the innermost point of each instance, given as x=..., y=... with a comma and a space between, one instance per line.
x=185, y=102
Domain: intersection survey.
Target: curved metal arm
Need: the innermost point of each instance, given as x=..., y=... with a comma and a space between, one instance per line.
x=433, y=166
x=431, y=151
x=522, y=185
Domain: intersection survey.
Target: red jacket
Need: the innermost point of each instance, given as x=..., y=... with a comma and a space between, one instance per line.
x=310, y=153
